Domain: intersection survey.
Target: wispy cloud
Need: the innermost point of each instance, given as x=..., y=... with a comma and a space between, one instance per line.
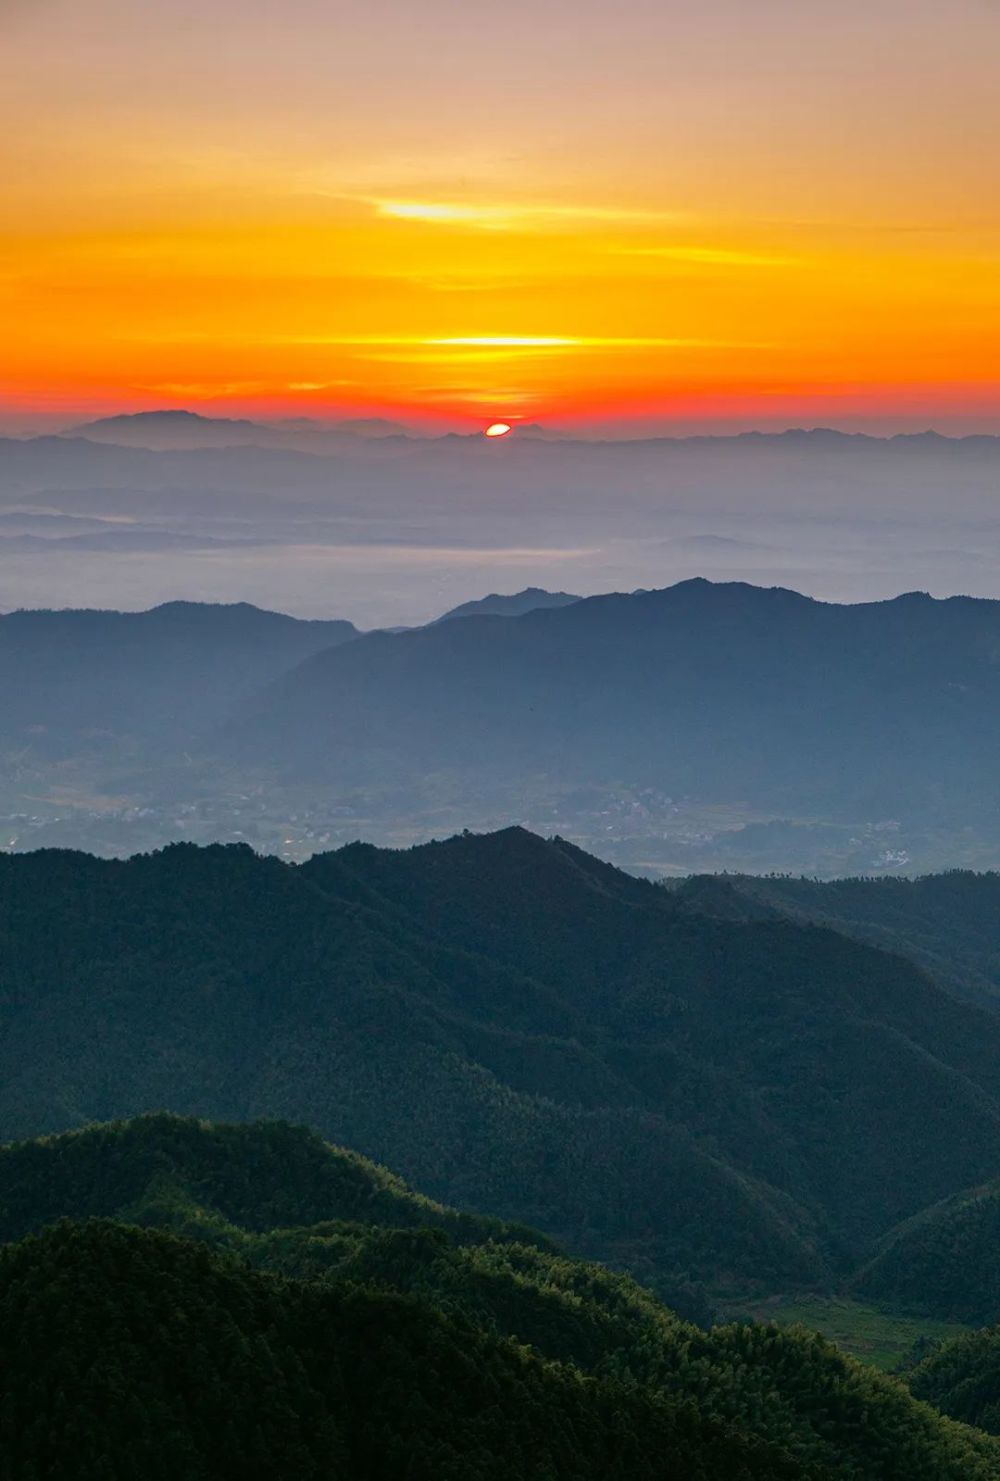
x=204, y=390
x=515, y=216
x=515, y=342
x=569, y=341
x=482, y=349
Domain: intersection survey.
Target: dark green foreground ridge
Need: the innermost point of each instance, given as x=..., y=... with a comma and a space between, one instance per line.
x=291, y=1310
x=517, y=1028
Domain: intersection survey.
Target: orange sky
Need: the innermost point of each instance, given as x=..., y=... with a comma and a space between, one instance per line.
x=561, y=210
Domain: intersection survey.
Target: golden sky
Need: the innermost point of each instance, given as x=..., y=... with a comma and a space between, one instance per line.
x=654, y=212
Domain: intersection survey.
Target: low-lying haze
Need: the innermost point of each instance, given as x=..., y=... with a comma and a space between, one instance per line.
x=393, y=530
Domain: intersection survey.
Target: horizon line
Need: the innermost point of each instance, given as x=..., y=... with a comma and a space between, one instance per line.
x=596, y=431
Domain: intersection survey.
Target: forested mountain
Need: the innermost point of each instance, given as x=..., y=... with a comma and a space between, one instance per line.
x=728, y=691
x=519, y=1029
x=204, y=1179
x=378, y=1348
x=168, y=1362
x=961, y=1378
x=948, y=923
x=151, y=682
x=943, y=1262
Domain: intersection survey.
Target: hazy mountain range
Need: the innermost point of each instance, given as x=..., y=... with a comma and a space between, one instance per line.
x=372, y=523
x=700, y=726
x=729, y=692
x=163, y=431
x=77, y=681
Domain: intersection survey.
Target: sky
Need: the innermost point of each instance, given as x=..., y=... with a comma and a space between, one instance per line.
x=652, y=214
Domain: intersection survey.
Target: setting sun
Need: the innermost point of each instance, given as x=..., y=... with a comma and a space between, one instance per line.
x=696, y=246
x=497, y=429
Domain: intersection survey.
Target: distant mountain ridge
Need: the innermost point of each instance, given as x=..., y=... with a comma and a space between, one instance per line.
x=165, y=417
x=166, y=674
x=180, y=418
x=177, y=429
x=881, y=716
x=531, y=599
x=722, y=691
x=168, y=429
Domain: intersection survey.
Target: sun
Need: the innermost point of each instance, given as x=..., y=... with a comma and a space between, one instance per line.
x=497, y=429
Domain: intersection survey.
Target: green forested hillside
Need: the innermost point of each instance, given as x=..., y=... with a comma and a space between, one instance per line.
x=518, y=1029
x=379, y=1348
x=129, y=1354
x=947, y=923
x=254, y=1178
x=961, y=1378
x=945, y=1262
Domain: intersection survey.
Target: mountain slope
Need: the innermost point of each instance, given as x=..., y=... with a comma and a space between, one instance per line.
x=393, y=1347
x=725, y=691
x=519, y=1029
x=253, y=1177
x=169, y=429
x=213, y=981
x=532, y=599
x=89, y=680
x=948, y=923
x=943, y=1262
x=164, y=1362
x=961, y=1378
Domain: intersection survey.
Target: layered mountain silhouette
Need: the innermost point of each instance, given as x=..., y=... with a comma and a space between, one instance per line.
x=496, y=605
x=178, y=429
x=883, y=713
x=727, y=691
x=157, y=680
x=521, y=1030
x=169, y=429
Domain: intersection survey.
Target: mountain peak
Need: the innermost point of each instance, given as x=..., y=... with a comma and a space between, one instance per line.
x=162, y=417
x=531, y=599
x=169, y=429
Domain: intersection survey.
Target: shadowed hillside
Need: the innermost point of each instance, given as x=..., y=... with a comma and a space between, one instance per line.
x=358, y=1349
x=148, y=682
x=519, y=1029
x=944, y=1262
x=948, y=923
x=726, y=691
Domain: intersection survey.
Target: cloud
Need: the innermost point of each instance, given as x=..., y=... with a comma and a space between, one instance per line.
x=570, y=342
x=477, y=349
x=515, y=217
x=514, y=342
